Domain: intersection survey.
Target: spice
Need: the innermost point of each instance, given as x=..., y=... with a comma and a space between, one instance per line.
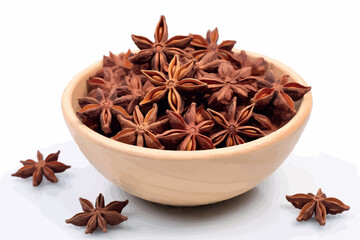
x=319, y=203
x=99, y=216
x=233, y=125
x=37, y=170
x=141, y=131
x=240, y=98
x=186, y=132
x=160, y=51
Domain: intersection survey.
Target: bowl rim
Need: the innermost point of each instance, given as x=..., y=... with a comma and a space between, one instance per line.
x=74, y=122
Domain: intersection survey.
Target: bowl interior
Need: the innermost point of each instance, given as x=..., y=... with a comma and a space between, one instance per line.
x=77, y=88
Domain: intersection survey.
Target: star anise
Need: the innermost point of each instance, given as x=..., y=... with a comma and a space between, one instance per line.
x=99, y=216
x=263, y=123
x=281, y=94
x=118, y=61
x=258, y=65
x=228, y=82
x=160, y=51
x=176, y=81
x=320, y=204
x=108, y=82
x=209, y=45
x=209, y=63
x=141, y=131
x=100, y=108
x=233, y=125
x=133, y=92
x=186, y=132
x=46, y=167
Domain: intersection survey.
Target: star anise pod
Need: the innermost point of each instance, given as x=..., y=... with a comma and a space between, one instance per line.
x=118, y=61
x=228, y=82
x=46, y=167
x=233, y=125
x=258, y=65
x=141, y=131
x=319, y=203
x=108, y=82
x=186, y=132
x=99, y=216
x=132, y=92
x=176, y=81
x=209, y=63
x=160, y=51
x=100, y=108
x=209, y=45
x=263, y=123
x=281, y=94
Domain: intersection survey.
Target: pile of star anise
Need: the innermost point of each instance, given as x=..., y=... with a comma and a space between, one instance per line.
x=187, y=93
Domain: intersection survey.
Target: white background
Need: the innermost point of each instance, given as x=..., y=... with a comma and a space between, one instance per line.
x=43, y=44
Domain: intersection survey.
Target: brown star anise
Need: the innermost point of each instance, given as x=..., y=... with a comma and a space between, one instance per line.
x=141, y=131
x=118, y=61
x=108, y=82
x=262, y=122
x=320, y=204
x=258, y=65
x=46, y=167
x=209, y=63
x=187, y=131
x=100, y=216
x=209, y=45
x=100, y=108
x=281, y=94
x=132, y=92
x=160, y=51
x=177, y=81
x=228, y=82
x=233, y=125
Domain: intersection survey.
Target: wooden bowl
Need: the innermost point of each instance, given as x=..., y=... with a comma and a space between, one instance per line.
x=182, y=178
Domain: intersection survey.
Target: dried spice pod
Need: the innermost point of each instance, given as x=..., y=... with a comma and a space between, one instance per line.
x=200, y=71
x=209, y=45
x=186, y=133
x=233, y=125
x=100, y=215
x=227, y=83
x=319, y=203
x=258, y=65
x=133, y=92
x=120, y=61
x=141, y=131
x=37, y=170
x=160, y=51
x=101, y=108
x=110, y=80
x=176, y=81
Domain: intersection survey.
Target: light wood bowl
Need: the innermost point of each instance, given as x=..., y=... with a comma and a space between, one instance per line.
x=182, y=178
